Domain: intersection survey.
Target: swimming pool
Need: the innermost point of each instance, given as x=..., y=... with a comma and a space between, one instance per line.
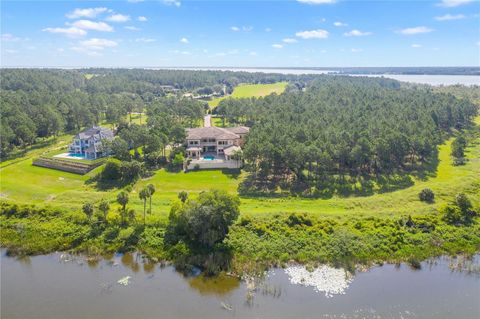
x=208, y=158
x=76, y=155
x=71, y=155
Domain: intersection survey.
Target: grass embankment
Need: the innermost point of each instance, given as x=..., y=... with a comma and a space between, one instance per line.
x=251, y=90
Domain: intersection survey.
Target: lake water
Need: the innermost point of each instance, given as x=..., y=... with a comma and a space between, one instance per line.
x=435, y=80
x=51, y=287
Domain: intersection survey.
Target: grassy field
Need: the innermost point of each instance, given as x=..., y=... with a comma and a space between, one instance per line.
x=23, y=183
x=252, y=90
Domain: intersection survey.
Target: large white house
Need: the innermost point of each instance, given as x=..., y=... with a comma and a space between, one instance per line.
x=89, y=142
x=215, y=147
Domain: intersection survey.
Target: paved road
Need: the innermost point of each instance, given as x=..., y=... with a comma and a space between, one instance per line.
x=207, y=120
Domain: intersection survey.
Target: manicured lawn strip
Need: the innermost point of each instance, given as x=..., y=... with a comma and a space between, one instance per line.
x=252, y=90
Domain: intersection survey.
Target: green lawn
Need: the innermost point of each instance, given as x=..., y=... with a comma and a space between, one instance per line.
x=23, y=183
x=252, y=90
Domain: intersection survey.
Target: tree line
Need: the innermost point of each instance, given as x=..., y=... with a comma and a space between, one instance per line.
x=343, y=127
x=37, y=104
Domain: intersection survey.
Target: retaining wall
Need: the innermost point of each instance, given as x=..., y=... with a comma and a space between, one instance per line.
x=66, y=166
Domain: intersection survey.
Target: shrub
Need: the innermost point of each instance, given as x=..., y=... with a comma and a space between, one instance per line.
x=451, y=214
x=426, y=195
x=131, y=171
x=460, y=212
x=298, y=219
x=178, y=159
x=111, y=171
x=204, y=221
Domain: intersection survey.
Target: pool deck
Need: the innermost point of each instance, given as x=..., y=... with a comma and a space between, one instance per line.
x=218, y=163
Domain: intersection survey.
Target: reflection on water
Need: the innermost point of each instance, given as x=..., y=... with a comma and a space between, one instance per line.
x=220, y=285
x=125, y=286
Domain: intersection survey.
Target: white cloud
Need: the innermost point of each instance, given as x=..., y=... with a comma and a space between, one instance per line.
x=91, y=25
x=184, y=40
x=323, y=51
x=8, y=37
x=145, y=40
x=340, y=24
x=176, y=3
x=87, y=13
x=277, y=46
x=132, y=28
x=142, y=19
x=252, y=53
x=356, y=50
x=69, y=32
x=181, y=52
x=86, y=51
x=10, y=51
x=244, y=28
x=289, y=40
x=453, y=3
x=356, y=33
x=317, y=1
x=415, y=45
x=414, y=30
x=117, y=17
x=478, y=43
x=268, y=29
x=313, y=34
x=448, y=17
x=98, y=44
x=135, y=1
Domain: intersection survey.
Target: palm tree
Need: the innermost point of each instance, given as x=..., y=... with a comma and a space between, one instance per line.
x=104, y=206
x=122, y=199
x=144, y=194
x=87, y=208
x=151, y=190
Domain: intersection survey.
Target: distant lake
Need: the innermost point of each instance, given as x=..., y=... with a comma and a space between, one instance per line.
x=435, y=80
x=57, y=286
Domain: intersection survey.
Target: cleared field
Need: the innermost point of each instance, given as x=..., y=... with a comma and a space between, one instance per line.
x=252, y=90
x=23, y=183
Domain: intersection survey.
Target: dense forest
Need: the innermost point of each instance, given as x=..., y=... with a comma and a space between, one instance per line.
x=37, y=104
x=345, y=128
x=323, y=130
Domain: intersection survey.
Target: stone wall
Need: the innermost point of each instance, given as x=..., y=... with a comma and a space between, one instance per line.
x=65, y=165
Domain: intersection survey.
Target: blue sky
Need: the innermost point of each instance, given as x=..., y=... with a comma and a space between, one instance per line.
x=303, y=33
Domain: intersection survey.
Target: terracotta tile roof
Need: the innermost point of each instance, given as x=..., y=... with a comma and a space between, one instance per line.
x=210, y=132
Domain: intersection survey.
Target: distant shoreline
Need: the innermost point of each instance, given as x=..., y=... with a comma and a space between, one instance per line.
x=453, y=70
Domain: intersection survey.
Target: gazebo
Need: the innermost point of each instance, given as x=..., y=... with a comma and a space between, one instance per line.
x=194, y=152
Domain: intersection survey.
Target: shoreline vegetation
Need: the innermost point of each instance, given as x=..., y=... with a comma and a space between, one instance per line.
x=403, y=216
x=253, y=245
